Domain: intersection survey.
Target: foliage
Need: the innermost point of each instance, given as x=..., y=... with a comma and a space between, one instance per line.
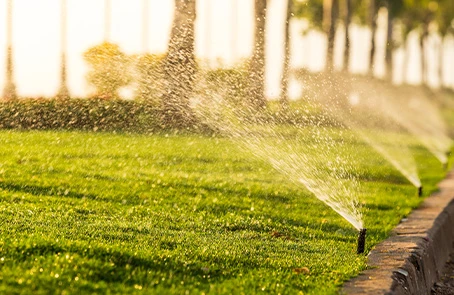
x=130, y=214
x=150, y=77
x=109, y=69
x=311, y=10
x=418, y=14
x=445, y=16
x=79, y=114
x=395, y=7
x=98, y=114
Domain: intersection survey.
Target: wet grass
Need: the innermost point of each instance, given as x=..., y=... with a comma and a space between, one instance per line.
x=94, y=213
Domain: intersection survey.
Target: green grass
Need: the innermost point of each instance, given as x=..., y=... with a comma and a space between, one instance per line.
x=94, y=213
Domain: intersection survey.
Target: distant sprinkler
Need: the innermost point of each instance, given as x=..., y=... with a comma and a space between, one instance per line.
x=420, y=191
x=361, y=241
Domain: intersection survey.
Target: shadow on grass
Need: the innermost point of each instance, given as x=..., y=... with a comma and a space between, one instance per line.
x=113, y=266
x=37, y=190
x=230, y=191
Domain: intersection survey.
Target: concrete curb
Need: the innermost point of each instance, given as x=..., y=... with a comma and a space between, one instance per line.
x=412, y=259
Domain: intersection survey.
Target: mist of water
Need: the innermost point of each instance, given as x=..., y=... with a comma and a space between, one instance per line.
x=353, y=103
x=411, y=108
x=296, y=144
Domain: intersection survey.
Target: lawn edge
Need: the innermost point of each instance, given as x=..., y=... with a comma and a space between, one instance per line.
x=411, y=260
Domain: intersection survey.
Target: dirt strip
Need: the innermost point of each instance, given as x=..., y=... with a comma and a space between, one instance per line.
x=413, y=258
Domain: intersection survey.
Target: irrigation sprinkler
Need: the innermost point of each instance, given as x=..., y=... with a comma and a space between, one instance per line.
x=361, y=241
x=420, y=191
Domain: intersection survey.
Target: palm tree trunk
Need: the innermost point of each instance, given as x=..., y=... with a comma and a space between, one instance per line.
x=422, y=39
x=440, y=62
x=406, y=62
x=180, y=66
x=389, y=45
x=373, y=28
x=9, y=92
x=63, y=92
x=286, y=65
x=208, y=25
x=347, y=21
x=256, y=90
x=330, y=15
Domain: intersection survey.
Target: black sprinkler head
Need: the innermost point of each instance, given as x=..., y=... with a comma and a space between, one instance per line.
x=420, y=191
x=361, y=241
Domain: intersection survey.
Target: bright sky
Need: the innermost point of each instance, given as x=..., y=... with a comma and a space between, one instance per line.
x=36, y=38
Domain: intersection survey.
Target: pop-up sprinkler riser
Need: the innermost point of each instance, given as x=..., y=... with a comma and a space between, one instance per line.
x=361, y=241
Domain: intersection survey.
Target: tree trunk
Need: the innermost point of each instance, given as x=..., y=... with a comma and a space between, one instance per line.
x=422, y=39
x=406, y=62
x=63, y=92
x=286, y=65
x=373, y=28
x=9, y=92
x=330, y=15
x=256, y=89
x=347, y=21
x=440, y=61
x=180, y=66
x=389, y=45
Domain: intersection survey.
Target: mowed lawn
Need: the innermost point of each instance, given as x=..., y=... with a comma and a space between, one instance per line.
x=98, y=213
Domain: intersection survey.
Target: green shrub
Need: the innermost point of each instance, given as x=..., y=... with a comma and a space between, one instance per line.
x=79, y=114
x=109, y=69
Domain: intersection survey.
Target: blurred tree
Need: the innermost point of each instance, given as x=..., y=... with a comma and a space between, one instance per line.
x=284, y=99
x=395, y=9
x=9, y=92
x=347, y=15
x=256, y=87
x=372, y=23
x=445, y=21
x=311, y=10
x=109, y=69
x=445, y=17
x=180, y=66
x=330, y=16
x=417, y=14
x=63, y=92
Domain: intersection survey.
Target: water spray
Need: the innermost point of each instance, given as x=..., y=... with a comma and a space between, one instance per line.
x=420, y=191
x=361, y=241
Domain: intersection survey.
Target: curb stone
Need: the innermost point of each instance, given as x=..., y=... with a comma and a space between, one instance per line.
x=412, y=259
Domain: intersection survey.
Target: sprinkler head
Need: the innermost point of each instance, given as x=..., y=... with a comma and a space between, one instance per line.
x=420, y=191
x=361, y=241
